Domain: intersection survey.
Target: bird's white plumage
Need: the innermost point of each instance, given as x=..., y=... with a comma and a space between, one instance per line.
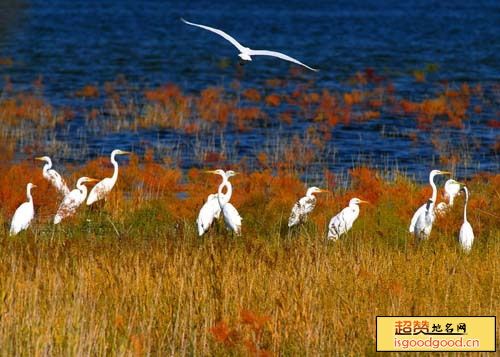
x=104, y=187
x=303, y=207
x=24, y=213
x=53, y=176
x=211, y=209
x=208, y=213
x=101, y=190
x=343, y=221
x=466, y=235
x=301, y=210
x=451, y=190
x=245, y=52
x=72, y=200
x=418, y=213
x=423, y=225
x=220, y=33
x=232, y=218
x=279, y=55
x=422, y=220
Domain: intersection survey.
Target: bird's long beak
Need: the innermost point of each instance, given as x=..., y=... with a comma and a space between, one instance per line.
x=39, y=158
x=32, y=186
x=323, y=191
x=92, y=180
x=210, y=172
x=361, y=201
x=125, y=152
x=445, y=172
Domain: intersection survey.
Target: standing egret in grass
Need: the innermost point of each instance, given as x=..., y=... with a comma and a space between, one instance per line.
x=73, y=200
x=303, y=207
x=451, y=190
x=421, y=223
x=231, y=216
x=102, y=189
x=245, y=52
x=24, y=213
x=342, y=222
x=466, y=235
x=53, y=176
x=423, y=208
x=211, y=209
x=208, y=213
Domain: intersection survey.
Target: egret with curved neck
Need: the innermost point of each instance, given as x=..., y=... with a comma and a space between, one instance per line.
x=421, y=223
x=304, y=206
x=73, y=200
x=24, y=213
x=211, y=209
x=342, y=222
x=53, y=176
x=104, y=187
x=232, y=218
x=466, y=235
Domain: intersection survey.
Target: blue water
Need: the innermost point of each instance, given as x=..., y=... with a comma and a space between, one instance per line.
x=73, y=43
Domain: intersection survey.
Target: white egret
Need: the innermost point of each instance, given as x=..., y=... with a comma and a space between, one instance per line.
x=53, y=176
x=245, y=52
x=73, y=200
x=231, y=216
x=466, y=235
x=208, y=213
x=421, y=223
x=451, y=190
x=422, y=208
x=24, y=213
x=102, y=189
x=304, y=206
x=342, y=222
x=211, y=209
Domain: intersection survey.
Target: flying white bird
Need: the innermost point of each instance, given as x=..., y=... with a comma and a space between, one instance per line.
x=451, y=190
x=231, y=216
x=102, y=189
x=466, y=235
x=211, y=209
x=304, y=206
x=245, y=52
x=24, y=213
x=53, y=176
x=342, y=222
x=421, y=223
x=73, y=200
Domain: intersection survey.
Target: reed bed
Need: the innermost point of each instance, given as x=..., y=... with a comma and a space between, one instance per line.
x=296, y=119
x=132, y=277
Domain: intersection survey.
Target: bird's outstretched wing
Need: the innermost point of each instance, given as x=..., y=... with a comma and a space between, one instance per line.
x=279, y=55
x=218, y=32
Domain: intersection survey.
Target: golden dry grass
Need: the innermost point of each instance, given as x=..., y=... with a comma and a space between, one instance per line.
x=133, y=278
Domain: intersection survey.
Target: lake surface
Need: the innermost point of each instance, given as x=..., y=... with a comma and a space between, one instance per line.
x=74, y=43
